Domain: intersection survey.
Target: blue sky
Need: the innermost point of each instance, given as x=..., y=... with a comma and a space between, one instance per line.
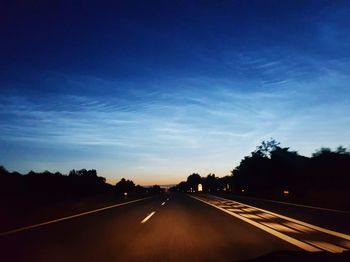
x=156, y=90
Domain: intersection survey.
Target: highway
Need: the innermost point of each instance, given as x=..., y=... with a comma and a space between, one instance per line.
x=170, y=227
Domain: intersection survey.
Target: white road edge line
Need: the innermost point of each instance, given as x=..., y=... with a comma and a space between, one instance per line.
x=69, y=217
x=162, y=204
x=299, y=205
x=327, y=246
x=148, y=217
x=280, y=235
x=324, y=230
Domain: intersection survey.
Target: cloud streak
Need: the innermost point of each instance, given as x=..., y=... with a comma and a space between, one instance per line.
x=155, y=97
x=219, y=123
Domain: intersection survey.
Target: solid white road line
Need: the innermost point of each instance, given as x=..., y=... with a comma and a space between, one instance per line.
x=148, y=217
x=69, y=217
x=162, y=204
x=280, y=235
x=300, y=205
x=324, y=230
x=327, y=246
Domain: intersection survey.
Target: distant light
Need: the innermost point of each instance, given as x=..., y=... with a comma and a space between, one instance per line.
x=286, y=192
x=242, y=190
x=125, y=193
x=200, y=188
x=228, y=186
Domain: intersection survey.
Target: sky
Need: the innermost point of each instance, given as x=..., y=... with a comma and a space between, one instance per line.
x=156, y=90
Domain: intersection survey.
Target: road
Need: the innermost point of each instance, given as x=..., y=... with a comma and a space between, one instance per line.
x=169, y=227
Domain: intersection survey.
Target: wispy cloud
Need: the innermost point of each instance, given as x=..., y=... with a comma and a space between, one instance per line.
x=208, y=125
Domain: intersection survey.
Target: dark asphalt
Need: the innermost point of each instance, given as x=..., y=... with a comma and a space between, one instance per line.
x=183, y=229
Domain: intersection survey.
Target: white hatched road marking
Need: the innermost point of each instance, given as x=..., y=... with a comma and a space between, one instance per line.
x=279, y=227
x=324, y=230
x=299, y=227
x=251, y=216
x=306, y=206
x=280, y=235
x=290, y=226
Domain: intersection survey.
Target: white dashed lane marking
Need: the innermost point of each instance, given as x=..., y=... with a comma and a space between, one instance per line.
x=68, y=217
x=148, y=217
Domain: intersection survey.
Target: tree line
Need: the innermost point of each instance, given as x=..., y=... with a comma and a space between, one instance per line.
x=41, y=186
x=274, y=171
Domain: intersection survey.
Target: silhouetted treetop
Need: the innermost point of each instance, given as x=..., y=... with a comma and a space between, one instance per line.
x=325, y=151
x=125, y=186
x=271, y=170
x=48, y=184
x=266, y=148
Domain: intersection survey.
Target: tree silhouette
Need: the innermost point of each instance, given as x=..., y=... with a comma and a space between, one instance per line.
x=51, y=186
x=211, y=183
x=271, y=170
x=193, y=181
x=125, y=186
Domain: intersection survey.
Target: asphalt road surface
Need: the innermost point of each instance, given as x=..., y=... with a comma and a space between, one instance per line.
x=170, y=227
